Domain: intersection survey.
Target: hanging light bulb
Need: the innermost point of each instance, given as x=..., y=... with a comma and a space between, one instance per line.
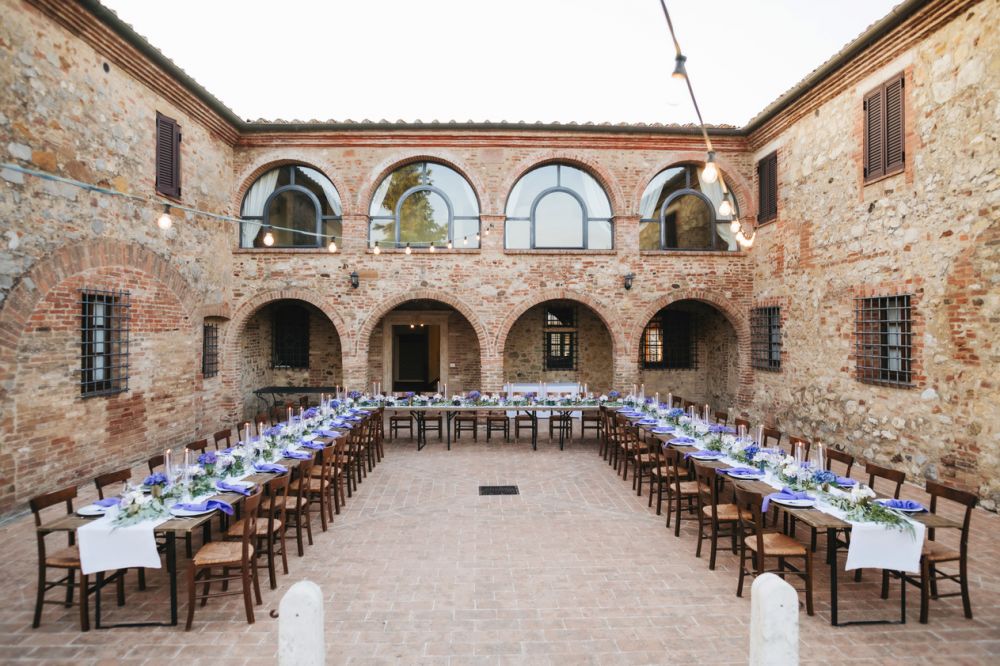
x=376, y=249
x=412, y=326
x=332, y=247
x=710, y=174
x=487, y=232
x=408, y=249
x=680, y=71
x=165, y=221
x=725, y=208
x=269, y=239
x=735, y=225
x=477, y=238
x=449, y=243
x=465, y=240
x=432, y=248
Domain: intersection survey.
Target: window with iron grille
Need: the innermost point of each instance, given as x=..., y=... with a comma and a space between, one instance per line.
x=765, y=338
x=883, y=338
x=669, y=341
x=290, y=339
x=104, y=342
x=209, y=350
x=560, y=338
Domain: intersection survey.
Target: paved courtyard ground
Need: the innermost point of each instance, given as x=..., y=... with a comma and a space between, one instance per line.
x=419, y=569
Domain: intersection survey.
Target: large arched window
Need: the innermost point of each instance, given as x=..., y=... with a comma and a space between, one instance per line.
x=681, y=211
x=297, y=205
x=423, y=204
x=558, y=206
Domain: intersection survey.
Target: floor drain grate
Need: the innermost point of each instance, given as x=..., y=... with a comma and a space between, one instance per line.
x=498, y=490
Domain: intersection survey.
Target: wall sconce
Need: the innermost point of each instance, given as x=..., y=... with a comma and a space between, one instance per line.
x=355, y=279
x=629, y=277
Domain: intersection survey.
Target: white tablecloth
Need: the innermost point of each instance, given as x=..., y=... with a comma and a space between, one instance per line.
x=106, y=547
x=550, y=389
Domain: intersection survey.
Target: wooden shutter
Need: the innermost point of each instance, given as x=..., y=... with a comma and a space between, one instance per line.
x=874, y=163
x=767, y=187
x=168, y=156
x=894, y=125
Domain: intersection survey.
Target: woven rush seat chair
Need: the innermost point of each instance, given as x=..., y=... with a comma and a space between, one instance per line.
x=467, y=421
x=722, y=418
x=269, y=532
x=771, y=435
x=319, y=488
x=296, y=505
x=400, y=422
x=737, y=422
x=197, y=445
x=228, y=556
x=680, y=489
x=715, y=518
x=497, y=421
x=525, y=422
x=222, y=439
x=433, y=422
x=591, y=420
x=561, y=423
x=758, y=545
x=660, y=473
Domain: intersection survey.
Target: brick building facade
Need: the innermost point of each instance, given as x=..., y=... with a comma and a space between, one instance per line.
x=83, y=94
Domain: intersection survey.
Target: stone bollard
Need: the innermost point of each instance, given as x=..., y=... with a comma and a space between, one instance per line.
x=774, y=622
x=300, y=626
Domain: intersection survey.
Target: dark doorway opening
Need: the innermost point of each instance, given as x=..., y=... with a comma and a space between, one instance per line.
x=412, y=352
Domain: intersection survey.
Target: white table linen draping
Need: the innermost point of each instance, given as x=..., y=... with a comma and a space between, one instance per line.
x=107, y=547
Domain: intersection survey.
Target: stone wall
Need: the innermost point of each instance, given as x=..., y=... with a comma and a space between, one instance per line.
x=931, y=231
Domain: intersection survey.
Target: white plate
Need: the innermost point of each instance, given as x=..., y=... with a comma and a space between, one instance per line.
x=751, y=477
x=703, y=457
x=797, y=503
x=92, y=510
x=245, y=485
x=184, y=513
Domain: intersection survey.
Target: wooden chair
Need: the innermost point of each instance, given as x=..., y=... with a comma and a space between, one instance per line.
x=935, y=554
x=758, y=545
x=841, y=457
x=467, y=421
x=771, y=434
x=398, y=422
x=277, y=414
x=378, y=433
x=526, y=422
x=611, y=437
x=678, y=401
x=156, y=461
x=499, y=421
x=199, y=445
x=679, y=490
x=722, y=418
x=737, y=422
x=560, y=422
x=269, y=535
x=241, y=428
x=296, y=503
x=67, y=560
x=892, y=475
x=660, y=473
x=318, y=490
x=265, y=418
x=104, y=480
x=590, y=420
x=714, y=515
x=793, y=441
x=227, y=556
x=434, y=422
x=639, y=455
x=224, y=437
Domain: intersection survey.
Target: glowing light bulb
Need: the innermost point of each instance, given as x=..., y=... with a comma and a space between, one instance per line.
x=725, y=208
x=376, y=249
x=465, y=240
x=432, y=249
x=711, y=172
x=269, y=239
x=332, y=246
x=477, y=238
x=411, y=326
x=408, y=249
x=165, y=221
x=449, y=243
x=734, y=226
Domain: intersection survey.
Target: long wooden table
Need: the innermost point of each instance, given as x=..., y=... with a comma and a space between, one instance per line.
x=170, y=530
x=419, y=412
x=825, y=522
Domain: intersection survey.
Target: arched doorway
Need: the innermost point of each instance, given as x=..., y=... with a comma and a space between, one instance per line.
x=690, y=348
x=559, y=341
x=286, y=342
x=421, y=345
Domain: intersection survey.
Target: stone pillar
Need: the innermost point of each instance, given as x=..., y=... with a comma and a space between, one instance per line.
x=356, y=369
x=300, y=626
x=626, y=372
x=491, y=372
x=491, y=234
x=774, y=622
x=626, y=231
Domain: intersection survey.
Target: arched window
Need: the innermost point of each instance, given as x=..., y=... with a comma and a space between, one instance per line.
x=558, y=206
x=681, y=211
x=296, y=204
x=423, y=204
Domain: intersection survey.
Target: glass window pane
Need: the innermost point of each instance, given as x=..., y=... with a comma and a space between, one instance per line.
x=293, y=212
x=588, y=188
x=321, y=186
x=518, y=234
x=382, y=231
x=333, y=228
x=725, y=238
x=392, y=188
x=688, y=223
x=558, y=221
x=649, y=235
x=527, y=188
x=599, y=235
x=423, y=218
x=452, y=183
x=662, y=186
x=466, y=229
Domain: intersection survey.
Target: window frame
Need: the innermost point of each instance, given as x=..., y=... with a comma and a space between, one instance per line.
x=265, y=217
x=765, y=338
x=661, y=217
x=113, y=346
x=566, y=329
x=279, y=318
x=885, y=169
x=669, y=355
x=767, y=188
x=209, y=349
x=874, y=345
x=171, y=126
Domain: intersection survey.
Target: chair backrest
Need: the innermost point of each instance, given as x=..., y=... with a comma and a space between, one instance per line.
x=722, y=418
x=737, y=422
x=964, y=497
x=304, y=401
x=261, y=418
x=677, y=401
x=278, y=413
x=156, y=461
x=688, y=405
x=655, y=448
x=751, y=519
x=841, y=457
x=277, y=490
x=806, y=445
x=222, y=436
x=42, y=502
x=105, y=480
x=251, y=505
x=674, y=463
x=199, y=445
x=301, y=473
x=241, y=428
x=892, y=475
x=708, y=488
x=772, y=433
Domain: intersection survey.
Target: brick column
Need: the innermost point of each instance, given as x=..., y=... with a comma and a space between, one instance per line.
x=492, y=243
x=491, y=372
x=356, y=370
x=627, y=235
x=355, y=233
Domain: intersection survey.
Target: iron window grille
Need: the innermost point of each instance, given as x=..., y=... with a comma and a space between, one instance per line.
x=290, y=337
x=104, y=342
x=883, y=335
x=669, y=342
x=765, y=338
x=560, y=338
x=210, y=350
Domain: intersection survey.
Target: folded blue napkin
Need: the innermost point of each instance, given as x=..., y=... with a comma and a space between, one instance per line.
x=844, y=481
x=702, y=453
x=681, y=440
x=785, y=494
x=741, y=470
x=270, y=467
x=905, y=505
x=311, y=445
x=107, y=502
x=328, y=433
x=224, y=507
x=231, y=488
x=297, y=455
x=719, y=428
x=647, y=422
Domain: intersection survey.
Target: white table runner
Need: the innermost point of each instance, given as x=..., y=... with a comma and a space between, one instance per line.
x=107, y=547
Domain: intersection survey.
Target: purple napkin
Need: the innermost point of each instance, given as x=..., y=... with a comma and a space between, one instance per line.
x=681, y=440
x=224, y=507
x=844, y=481
x=311, y=445
x=718, y=427
x=328, y=433
x=785, y=494
x=702, y=453
x=230, y=488
x=270, y=467
x=905, y=505
x=741, y=470
x=297, y=455
x=107, y=502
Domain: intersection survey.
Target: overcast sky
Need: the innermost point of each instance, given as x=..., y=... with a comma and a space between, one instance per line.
x=531, y=60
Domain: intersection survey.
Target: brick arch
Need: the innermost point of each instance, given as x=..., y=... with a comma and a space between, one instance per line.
x=246, y=309
x=273, y=159
x=734, y=180
x=387, y=306
x=738, y=318
x=579, y=160
x=396, y=161
x=617, y=340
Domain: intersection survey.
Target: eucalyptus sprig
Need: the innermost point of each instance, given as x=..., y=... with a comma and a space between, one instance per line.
x=872, y=512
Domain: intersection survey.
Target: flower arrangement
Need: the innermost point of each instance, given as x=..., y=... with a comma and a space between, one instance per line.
x=858, y=506
x=208, y=460
x=473, y=396
x=354, y=395
x=613, y=395
x=135, y=506
x=156, y=483
x=310, y=413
